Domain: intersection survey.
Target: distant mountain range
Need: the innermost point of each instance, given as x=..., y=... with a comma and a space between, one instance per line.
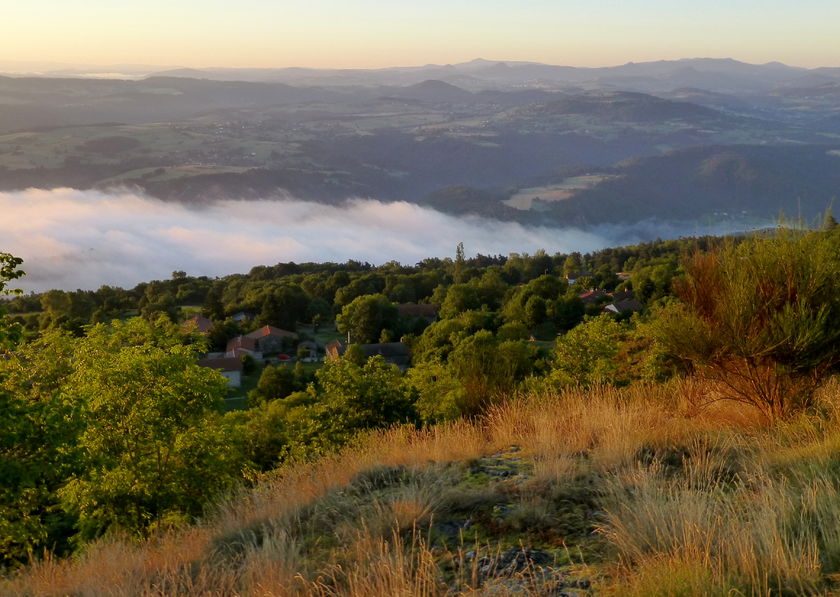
x=668, y=139
x=724, y=75
x=713, y=74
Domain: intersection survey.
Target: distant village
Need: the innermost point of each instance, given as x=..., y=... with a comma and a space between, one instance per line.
x=272, y=345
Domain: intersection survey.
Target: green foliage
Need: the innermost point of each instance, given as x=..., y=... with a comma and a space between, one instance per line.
x=117, y=429
x=568, y=312
x=373, y=395
x=151, y=445
x=113, y=426
x=513, y=330
x=440, y=395
x=761, y=318
x=158, y=299
x=485, y=292
x=587, y=354
x=9, y=270
x=487, y=368
x=366, y=317
x=276, y=381
x=348, y=291
x=284, y=307
x=438, y=339
x=459, y=265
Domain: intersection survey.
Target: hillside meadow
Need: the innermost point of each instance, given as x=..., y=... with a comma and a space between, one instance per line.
x=638, y=491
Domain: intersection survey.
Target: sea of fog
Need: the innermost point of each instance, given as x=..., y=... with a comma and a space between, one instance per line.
x=73, y=239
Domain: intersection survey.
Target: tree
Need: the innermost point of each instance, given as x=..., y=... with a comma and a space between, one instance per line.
x=568, y=312
x=151, y=446
x=9, y=270
x=372, y=395
x=459, y=265
x=346, y=399
x=440, y=395
x=586, y=354
x=284, y=307
x=158, y=300
x=760, y=320
x=37, y=437
x=572, y=266
x=276, y=381
x=487, y=368
x=365, y=318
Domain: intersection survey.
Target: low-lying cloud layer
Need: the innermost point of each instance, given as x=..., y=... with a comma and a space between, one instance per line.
x=83, y=239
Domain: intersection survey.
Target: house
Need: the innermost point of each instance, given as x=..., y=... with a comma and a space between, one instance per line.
x=308, y=351
x=243, y=316
x=394, y=353
x=573, y=278
x=199, y=323
x=622, y=295
x=271, y=339
x=627, y=305
x=242, y=345
x=593, y=296
x=418, y=311
x=231, y=368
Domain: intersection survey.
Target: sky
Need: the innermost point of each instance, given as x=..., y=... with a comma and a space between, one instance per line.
x=377, y=33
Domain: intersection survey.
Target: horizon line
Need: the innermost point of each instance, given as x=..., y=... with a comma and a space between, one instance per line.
x=49, y=66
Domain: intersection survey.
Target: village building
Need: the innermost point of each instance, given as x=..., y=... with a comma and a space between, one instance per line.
x=243, y=345
x=198, y=323
x=628, y=305
x=593, y=296
x=230, y=368
x=573, y=278
x=307, y=351
x=394, y=353
x=243, y=316
x=269, y=339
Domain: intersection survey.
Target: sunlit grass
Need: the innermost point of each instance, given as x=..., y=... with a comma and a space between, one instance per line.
x=689, y=501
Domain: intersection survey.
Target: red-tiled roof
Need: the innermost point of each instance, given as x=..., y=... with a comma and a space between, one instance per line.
x=268, y=330
x=241, y=342
x=592, y=295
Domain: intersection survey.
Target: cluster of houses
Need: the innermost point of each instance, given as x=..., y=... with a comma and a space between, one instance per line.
x=265, y=344
x=270, y=344
x=618, y=303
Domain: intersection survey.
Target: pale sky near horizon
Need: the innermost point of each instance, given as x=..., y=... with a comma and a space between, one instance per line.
x=371, y=33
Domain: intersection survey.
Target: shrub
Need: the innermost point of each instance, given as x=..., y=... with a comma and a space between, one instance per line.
x=760, y=319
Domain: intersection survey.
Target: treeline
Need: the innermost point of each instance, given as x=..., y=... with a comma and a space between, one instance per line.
x=288, y=293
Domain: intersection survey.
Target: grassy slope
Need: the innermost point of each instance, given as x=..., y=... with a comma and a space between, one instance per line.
x=612, y=491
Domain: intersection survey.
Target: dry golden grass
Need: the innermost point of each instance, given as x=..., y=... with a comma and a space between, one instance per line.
x=696, y=501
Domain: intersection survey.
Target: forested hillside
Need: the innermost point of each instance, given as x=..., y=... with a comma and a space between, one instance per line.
x=655, y=419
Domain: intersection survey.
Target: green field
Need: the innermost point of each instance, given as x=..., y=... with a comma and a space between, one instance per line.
x=524, y=198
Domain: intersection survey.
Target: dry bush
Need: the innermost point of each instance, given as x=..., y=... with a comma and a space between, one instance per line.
x=760, y=320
